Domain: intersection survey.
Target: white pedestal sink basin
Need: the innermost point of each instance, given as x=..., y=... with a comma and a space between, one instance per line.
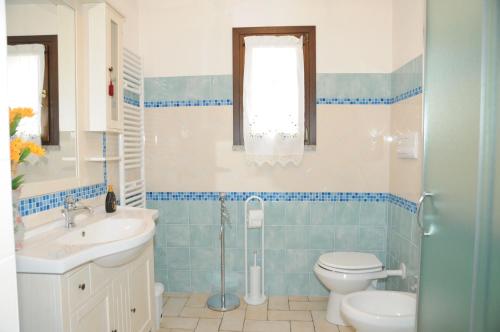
x=106, y=239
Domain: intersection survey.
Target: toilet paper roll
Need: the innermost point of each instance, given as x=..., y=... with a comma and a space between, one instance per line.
x=255, y=281
x=255, y=218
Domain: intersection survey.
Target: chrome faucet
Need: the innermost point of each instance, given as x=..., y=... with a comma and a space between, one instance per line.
x=71, y=209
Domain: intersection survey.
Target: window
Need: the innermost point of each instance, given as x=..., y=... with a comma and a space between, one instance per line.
x=33, y=82
x=283, y=61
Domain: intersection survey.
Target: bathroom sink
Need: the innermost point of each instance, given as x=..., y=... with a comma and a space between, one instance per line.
x=107, y=230
x=107, y=240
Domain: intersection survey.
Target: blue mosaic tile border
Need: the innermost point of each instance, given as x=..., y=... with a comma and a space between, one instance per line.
x=354, y=101
x=46, y=202
x=286, y=196
x=131, y=101
x=332, y=88
x=320, y=101
x=402, y=202
x=188, y=103
x=369, y=101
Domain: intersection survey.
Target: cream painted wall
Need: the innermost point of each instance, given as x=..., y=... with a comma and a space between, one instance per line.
x=191, y=150
x=406, y=115
x=408, y=30
x=406, y=174
x=193, y=37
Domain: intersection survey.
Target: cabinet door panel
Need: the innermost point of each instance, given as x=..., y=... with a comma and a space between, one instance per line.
x=121, y=303
x=95, y=315
x=140, y=296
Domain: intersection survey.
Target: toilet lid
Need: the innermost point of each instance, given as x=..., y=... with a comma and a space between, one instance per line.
x=350, y=261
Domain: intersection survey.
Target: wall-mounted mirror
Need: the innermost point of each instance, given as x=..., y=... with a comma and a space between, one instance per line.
x=42, y=75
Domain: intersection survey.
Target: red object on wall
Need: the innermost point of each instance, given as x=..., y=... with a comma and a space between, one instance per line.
x=111, y=89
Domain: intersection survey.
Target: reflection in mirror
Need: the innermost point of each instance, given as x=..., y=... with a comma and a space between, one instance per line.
x=42, y=76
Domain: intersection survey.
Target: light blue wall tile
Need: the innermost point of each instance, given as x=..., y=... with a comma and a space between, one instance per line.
x=274, y=237
x=160, y=238
x=179, y=281
x=234, y=236
x=201, y=281
x=351, y=85
x=407, y=77
x=346, y=238
x=235, y=260
x=294, y=241
x=275, y=283
x=236, y=282
x=161, y=275
x=347, y=213
x=275, y=261
x=203, y=212
x=222, y=87
x=203, y=235
x=297, y=213
x=173, y=212
x=316, y=288
x=371, y=238
x=373, y=213
x=204, y=258
x=177, y=235
x=297, y=283
x=296, y=237
x=297, y=261
x=321, y=237
x=275, y=213
x=176, y=258
x=322, y=213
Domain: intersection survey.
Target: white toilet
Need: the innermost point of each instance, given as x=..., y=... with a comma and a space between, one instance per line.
x=380, y=311
x=347, y=272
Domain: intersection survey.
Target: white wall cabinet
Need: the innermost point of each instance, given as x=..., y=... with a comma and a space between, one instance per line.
x=90, y=298
x=104, y=41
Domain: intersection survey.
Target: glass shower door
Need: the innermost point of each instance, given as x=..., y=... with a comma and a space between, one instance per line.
x=459, y=274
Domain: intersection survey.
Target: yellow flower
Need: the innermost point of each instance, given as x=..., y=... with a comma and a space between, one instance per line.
x=35, y=148
x=16, y=147
x=22, y=112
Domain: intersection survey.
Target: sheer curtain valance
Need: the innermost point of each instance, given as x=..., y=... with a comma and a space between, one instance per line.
x=273, y=100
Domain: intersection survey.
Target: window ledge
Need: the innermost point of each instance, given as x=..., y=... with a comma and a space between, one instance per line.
x=241, y=148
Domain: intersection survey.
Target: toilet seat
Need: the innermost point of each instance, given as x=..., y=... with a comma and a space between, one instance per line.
x=350, y=262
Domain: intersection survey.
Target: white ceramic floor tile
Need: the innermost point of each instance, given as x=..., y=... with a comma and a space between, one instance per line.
x=198, y=300
x=174, y=306
x=208, y=325
x=233, y=320
x=317, y=305
x=200, y=313
x=179, y=323
x=302, y=327
x=299, y=315
x=266, y=326
x=278, y=303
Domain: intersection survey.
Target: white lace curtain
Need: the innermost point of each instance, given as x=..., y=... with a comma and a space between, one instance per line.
x=25, y=73
x=273, y=100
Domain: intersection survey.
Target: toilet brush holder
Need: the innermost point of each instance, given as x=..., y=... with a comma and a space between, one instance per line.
x=254, y=279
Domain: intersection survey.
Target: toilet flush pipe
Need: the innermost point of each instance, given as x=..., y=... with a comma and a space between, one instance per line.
x=398, y=273
x=390, y=273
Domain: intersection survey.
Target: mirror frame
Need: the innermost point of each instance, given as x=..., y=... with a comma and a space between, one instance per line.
x=38, y=188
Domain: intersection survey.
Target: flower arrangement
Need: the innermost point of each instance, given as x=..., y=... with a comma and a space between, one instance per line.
x=19, y=148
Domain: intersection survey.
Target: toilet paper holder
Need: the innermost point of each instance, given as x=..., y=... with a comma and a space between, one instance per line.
x=257, y=221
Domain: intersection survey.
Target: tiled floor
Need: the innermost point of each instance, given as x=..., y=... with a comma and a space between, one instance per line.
x=188, y=313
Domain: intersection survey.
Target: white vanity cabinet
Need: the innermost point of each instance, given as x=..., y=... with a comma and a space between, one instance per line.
x=104, y=27
x=90, y=298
